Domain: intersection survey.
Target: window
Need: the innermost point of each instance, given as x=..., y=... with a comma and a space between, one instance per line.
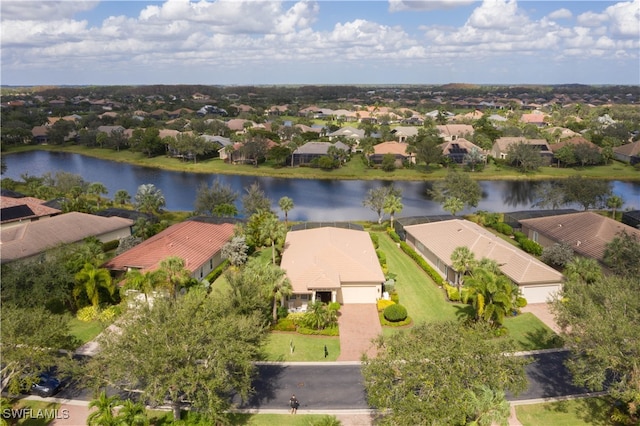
x=304, y=296
x=535, y=236
x=211, y=263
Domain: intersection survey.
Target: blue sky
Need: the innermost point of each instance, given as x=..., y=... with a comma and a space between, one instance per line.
x=319, y=42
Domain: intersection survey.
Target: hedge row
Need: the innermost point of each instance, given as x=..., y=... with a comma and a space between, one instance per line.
x=213, y=275
x=433, y=274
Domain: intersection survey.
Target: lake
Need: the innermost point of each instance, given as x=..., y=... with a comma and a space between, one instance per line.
x=314, y=199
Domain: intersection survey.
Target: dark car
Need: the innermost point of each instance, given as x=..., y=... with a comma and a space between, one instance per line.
x=46, y=386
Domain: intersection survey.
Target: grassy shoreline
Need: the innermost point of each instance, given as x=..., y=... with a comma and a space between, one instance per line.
x=353, y=170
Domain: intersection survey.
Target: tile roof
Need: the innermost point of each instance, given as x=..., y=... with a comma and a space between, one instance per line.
x=442, y=238
x=195, y=242
x=573, y=141
x=36, y=206
x=391, y=147
x=31, y=238
x=327, y=257
x=630, y=149
x=587, y=233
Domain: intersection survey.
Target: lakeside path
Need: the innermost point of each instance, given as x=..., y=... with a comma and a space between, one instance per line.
x=355, y=169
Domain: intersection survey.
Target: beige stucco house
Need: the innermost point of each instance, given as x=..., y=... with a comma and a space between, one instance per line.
x=436, y=241
x=332, y=265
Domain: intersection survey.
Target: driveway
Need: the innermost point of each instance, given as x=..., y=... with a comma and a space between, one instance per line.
x=359, y=325
x=544, y=314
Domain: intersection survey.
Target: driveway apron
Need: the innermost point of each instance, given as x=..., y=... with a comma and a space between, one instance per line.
x=359, y=325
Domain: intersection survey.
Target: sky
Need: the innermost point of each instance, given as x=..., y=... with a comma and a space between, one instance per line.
x=257, y=42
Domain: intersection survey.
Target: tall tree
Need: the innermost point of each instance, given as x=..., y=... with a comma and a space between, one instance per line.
x=614, y=202
x=235, y=251
x=149, y=199
x=215, y=200
x=458, y=185
x=23, y=330
x=453, y=205
x=255, y=199
x=175, y=273
x=121, y=197
x=622, y=254
x=483, y=126
x=583, y=269
x=426, y=145
x=273, y=280
x=146, y=282
x=407, y=384
x=132, y=414
x=375, y=199
x=273, y=233
x=104, y=413
x=462, y=260
x=202, y=352
x=392, y=205
x=524, y=156
x=286, y=205
x=92, y=281
x=595, y=318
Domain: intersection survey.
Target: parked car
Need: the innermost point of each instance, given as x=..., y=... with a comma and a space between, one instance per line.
x=46, y=386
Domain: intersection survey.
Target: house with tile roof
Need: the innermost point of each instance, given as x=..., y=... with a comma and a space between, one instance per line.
x=30, y=239
x=397, y=149
x=458, y=149
x=587, y=233
x=436, y=241
x=402, y=133
x=197, y=242
x=306, y=153
x=333, y=265
x=14, y=211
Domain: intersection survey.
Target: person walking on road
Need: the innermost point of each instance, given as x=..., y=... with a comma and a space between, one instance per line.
x=294, y=404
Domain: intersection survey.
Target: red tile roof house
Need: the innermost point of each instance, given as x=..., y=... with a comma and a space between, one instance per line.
x=332, y=265
x=587, y=233
x=397, y=149
x=436, y=241
x=30, y=239
x=199, y=244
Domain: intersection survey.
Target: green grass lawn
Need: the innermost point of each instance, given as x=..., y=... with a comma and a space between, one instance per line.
x=41, y=414
x=162, y=418
x=530, y=333
x=85, y=331
x=576, y=412
x=305, y=348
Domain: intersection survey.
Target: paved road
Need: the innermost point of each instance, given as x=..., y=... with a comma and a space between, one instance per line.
x=341, y=386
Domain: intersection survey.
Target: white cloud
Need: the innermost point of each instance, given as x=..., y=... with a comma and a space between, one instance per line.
x=501, y=14
x=624, y=19
x=404, y=5
x=36, y=10
x=561, y=14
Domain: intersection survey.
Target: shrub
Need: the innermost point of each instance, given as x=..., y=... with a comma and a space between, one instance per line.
x=394, y=236
x=382, y=258
x=388, y=162
x=110, y=245
x=521, y=302
x=375, y=239
x=285, y=324
x=503, y=228
x=395, y=313
x=88, y=313
x=213, y=275
x=531, y=246
x=296, y=317
x=329, y=331
x=395, y=297
x=519, y=236
x=109, y=314
x=282, y=312
x=422, y=263
x=452, y=293
x=334, y=306
x=383, y=304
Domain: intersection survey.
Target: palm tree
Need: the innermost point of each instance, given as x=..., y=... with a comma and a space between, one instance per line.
x=453, y=205
x=145, y=282
x=583, y=269
x=90, y=280
x=493, y=295
x=149, y=199
x=97, y=189
x=614, y=202
x=392, y=205
x=176, y=275
x=489, y=407
x=121, y=197
x=462, y=260
x=280, y=288
x=103, y=415
x=132, y=414
x=286, y=204
x=272, y=232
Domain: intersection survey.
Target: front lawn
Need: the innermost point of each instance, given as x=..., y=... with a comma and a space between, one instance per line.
x=85, y=331
x=575, y=412
x=34, y=413
x=305, y=348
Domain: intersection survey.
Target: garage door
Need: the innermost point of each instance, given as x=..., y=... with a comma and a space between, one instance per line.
x=359, y=294
x=539, y=294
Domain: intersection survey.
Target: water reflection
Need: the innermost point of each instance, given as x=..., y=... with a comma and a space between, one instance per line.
x=316, y=200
